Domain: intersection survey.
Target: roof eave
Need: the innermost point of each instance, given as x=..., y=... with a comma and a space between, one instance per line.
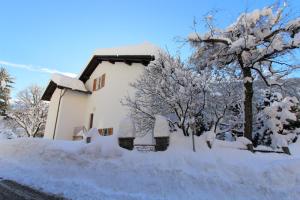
x=128, y=59
x=52, y=87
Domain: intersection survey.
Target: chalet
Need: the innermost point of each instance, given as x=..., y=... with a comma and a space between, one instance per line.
x=93, y=99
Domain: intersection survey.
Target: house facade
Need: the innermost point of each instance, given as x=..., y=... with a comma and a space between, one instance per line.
x=93, y=99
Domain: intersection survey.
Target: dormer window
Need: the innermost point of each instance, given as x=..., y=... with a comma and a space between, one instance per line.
x=99, y=82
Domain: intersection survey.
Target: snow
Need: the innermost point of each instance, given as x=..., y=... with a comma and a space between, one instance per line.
x=294, y=23
x=241, y=43
x=69, y=82
x=248, y=80
x=297, y=39
x=126, y=128
x=209, y=136
x=146, y=139
x=145, y=48
x=161, y=126
x=278, y=140
x=5, y=132
x=243, y=140
x=194, y=37
x=102, y=170
x=93, y=132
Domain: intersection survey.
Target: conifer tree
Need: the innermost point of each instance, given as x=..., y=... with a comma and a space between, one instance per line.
x=5, y=88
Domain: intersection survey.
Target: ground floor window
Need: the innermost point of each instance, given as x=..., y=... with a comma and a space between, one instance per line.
x=105, y=131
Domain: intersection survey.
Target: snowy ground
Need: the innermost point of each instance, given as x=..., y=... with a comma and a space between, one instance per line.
x=100, y=170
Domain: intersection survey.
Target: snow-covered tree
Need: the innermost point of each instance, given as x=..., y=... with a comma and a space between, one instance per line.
x=5, y=86
x=277, y=120
x=29, y=111
x=224, y=103
x=170, y=88
x=256, y=45
x=291, y=87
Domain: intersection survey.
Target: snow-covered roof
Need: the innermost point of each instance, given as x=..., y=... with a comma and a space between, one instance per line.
x=142, y=53
x=68, y=82
x=145, y=48
x=62, y=81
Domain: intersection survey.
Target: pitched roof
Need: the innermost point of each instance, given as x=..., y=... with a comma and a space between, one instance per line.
x=63, y=82
x=142, y=53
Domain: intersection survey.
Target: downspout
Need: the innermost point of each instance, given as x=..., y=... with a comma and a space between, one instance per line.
x=62, y=92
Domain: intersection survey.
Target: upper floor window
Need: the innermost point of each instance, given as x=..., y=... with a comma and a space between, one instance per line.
x=99, y=82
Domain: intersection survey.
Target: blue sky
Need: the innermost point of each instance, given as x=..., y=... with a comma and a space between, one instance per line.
x=60, y=35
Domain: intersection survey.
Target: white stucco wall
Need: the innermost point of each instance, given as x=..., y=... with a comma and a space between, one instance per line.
x=105, y=103
x=71, y=114
x=49, y=129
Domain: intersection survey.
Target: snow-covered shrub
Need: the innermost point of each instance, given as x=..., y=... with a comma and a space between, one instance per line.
x=209, y=136
x=7, y=134
x=161, y=126
x=126, y=128
x=277, y=121
x=6, y=131
x=268, y=97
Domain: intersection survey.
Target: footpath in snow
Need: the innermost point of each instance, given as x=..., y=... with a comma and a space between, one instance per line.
x=102, y=170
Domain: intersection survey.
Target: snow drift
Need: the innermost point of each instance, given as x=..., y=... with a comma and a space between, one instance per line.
x=102, y=170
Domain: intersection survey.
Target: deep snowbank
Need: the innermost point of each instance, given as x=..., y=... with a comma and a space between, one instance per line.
x=101, y=170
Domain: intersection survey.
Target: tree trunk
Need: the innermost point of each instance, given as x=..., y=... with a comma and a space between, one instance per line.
x=248, y=115
x=185, y=130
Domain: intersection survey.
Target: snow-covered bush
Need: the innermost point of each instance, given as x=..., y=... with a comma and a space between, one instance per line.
x=7, y=134
x=209, y=137
x=126, y=128
x=161, y=126
x=277, y=121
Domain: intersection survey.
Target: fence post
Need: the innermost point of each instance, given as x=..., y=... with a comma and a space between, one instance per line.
x=286, y=150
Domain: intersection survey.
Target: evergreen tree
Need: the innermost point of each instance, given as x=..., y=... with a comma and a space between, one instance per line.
x=5, y=87
x=277, y=120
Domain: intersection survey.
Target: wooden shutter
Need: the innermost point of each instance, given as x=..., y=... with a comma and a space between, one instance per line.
x=102, y=80
x=94, y=84
x=110, y=131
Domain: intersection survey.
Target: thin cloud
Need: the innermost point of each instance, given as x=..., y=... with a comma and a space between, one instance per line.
x=36, y=68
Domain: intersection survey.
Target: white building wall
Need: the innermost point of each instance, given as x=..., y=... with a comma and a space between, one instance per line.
x=71, y=114
x=105, y=103
x=52, y=110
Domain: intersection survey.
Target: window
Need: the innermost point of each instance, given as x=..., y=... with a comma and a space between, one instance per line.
x=99, y=82
x=105, y=131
